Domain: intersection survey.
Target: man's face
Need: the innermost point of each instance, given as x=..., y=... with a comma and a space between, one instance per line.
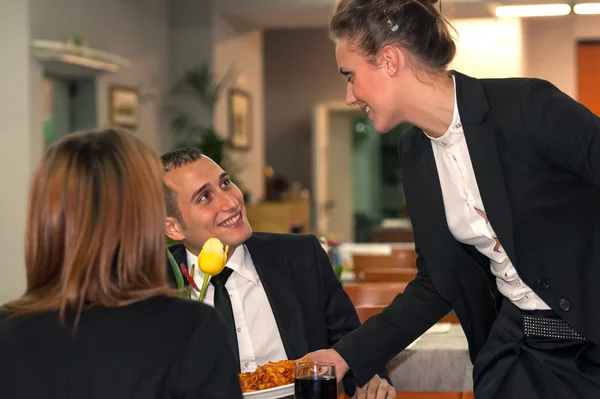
x=210, y=205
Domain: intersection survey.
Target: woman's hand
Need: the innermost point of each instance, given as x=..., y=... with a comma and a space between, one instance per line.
x=330, y=356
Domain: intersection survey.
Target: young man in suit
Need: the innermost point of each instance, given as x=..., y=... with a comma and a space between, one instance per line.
x=278, y=293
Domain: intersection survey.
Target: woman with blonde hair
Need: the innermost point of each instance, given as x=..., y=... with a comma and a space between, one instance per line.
x=97, y=319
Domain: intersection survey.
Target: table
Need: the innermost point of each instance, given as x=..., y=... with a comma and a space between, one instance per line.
x=436, y=362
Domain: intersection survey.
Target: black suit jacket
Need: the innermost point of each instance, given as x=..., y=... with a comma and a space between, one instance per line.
x=311, y=308
x=536, y=156
x=159, y=348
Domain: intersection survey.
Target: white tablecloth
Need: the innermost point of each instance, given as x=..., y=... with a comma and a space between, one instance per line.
x=436, y=362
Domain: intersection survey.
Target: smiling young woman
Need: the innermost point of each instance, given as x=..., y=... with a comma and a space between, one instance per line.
x=502, y=179
x=394, y=55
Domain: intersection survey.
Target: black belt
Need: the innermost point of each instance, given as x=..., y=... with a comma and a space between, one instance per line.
x=549, y=327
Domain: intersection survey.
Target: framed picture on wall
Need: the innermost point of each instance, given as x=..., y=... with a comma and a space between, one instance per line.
x=240, y=119
x=124, y=105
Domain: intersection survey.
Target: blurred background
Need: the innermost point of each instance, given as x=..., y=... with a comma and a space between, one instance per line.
x=254, y=83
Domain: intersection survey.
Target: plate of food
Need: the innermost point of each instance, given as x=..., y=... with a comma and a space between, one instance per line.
x=274, y=380
x=284, y=391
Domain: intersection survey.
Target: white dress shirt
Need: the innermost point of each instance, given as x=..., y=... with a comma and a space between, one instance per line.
x=257, y=334
x=466, y=215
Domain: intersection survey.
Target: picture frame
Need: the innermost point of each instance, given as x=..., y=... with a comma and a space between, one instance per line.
x=124, y=106
x=240, y=119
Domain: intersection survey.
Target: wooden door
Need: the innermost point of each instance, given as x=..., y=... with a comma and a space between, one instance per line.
x=588, y=75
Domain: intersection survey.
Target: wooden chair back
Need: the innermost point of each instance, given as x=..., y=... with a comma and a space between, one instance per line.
x=403, y=258
x=389, y=275
x=373, y=294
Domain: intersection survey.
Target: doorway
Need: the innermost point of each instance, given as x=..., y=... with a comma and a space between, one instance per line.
x=69, y=106
x=357, y=182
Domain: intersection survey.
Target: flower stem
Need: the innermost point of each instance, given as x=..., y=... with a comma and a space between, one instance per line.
x=203, y=289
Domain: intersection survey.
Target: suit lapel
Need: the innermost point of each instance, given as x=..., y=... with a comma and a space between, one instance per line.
x=424, y=195
x=481, y=140
x=421, y=172
x=273, y=270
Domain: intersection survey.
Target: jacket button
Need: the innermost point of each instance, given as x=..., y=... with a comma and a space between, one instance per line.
x=543, y=283
x=564, y=305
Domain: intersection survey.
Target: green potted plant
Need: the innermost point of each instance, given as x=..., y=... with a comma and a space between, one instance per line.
x=199, y=85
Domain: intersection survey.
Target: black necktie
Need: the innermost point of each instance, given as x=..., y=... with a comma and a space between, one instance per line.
x=223, y=306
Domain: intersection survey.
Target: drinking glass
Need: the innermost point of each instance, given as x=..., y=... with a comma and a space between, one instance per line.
x=315, y=380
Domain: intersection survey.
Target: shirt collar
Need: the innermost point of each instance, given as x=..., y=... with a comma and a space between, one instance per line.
x=240, y=262
x=455, y=131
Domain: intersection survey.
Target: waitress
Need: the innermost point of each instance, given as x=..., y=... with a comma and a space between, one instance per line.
x=502, y=179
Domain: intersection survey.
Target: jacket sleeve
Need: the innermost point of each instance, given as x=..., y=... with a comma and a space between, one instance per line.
x=383, y=336
x=340, y=314
x=565, y=133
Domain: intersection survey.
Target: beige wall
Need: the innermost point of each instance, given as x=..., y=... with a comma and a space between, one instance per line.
x=536, y=47
x=161, y=41
x=18, y=127
x=190, y=45
x=551, y=47
x=127, y=28
x=300, y=71
x=200, y=34
x=487, y=48
x=240, y=47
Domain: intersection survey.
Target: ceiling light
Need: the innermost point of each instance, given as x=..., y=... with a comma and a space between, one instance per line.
x=537, y=10
x=587, y=8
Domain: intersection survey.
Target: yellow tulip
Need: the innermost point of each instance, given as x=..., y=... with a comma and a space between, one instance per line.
x=211, y=261
x=213, y=257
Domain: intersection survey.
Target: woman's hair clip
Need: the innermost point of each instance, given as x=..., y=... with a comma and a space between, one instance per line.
x=393, y=26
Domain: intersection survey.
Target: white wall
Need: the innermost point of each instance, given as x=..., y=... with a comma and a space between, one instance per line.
x=20, y=128
x=488, y=48
x=136, y=29
x=240, y=47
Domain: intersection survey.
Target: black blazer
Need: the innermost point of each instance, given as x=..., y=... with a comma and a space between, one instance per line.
x=159, y=348
x=311, y=309
x=536, y=156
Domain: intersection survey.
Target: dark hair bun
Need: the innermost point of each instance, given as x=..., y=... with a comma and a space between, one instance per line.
x=416, y=25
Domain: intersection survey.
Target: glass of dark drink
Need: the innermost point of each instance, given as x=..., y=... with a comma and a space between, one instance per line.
x=315, y=380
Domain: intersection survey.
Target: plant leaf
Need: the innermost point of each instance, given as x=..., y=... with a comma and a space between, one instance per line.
x=176, y=271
